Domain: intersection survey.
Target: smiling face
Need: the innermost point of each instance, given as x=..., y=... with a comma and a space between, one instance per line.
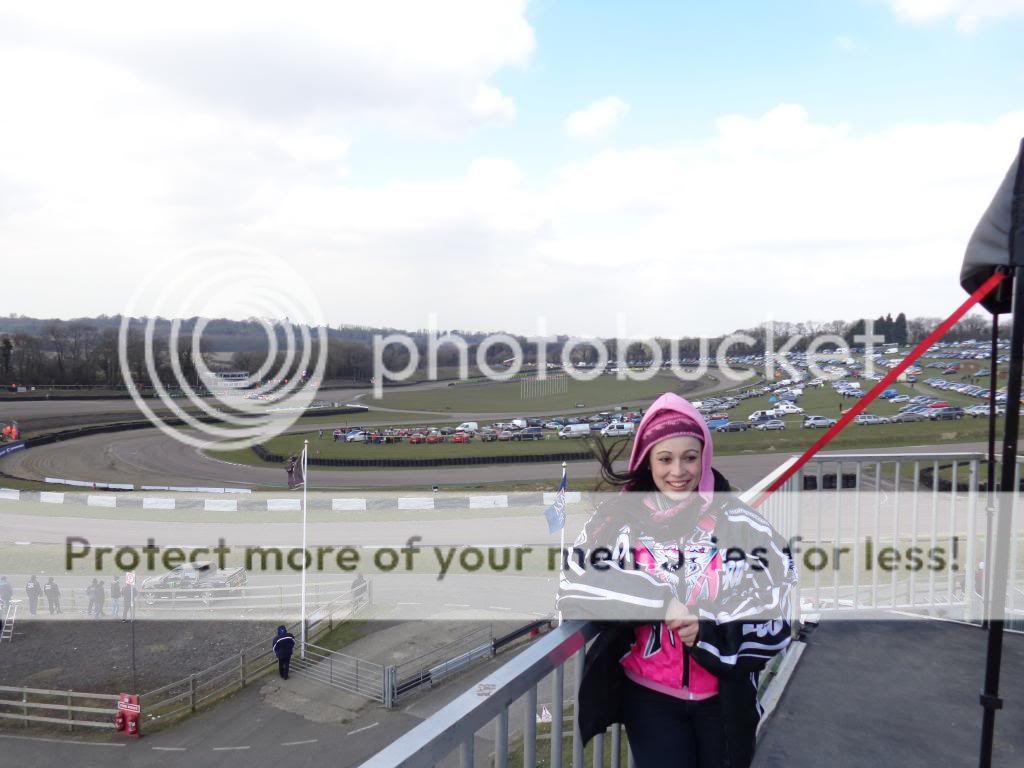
x=676, y=466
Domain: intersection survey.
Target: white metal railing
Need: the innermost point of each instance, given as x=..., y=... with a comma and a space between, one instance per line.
x=854, y=496
x=894, y=538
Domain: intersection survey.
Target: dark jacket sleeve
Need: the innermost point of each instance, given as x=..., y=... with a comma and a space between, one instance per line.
x=748, y=623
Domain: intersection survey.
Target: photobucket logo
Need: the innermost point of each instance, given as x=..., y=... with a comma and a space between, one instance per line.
x=235, y=410
x=399, y=356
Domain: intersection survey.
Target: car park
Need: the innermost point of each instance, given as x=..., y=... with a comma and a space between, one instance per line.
x=947, y=413
x=570, y=431
x=771, y=424
x=814, y=422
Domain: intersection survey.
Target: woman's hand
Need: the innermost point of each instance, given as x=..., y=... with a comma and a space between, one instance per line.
x=679, y=620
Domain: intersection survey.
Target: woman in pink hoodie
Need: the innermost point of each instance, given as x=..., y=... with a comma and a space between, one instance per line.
x=696, y=588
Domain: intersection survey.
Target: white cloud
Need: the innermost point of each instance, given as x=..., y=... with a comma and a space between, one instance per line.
x=111, y=163
x=491, y=102
x=399, y=59
x=596, y=120
x=968, y=13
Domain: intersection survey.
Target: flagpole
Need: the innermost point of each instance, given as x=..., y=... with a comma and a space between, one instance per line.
x=561, y=537
x=305, y=484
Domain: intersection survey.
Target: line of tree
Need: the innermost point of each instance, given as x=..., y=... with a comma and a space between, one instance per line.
x=85, y=351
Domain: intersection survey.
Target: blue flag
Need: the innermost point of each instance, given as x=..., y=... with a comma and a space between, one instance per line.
x=555, y=514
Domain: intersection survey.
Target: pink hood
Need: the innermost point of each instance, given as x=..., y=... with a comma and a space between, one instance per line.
x=673, y=402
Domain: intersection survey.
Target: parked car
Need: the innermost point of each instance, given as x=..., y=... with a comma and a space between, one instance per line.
x=618, y=429
x=505, y=434
x=530, y=433
x=733, y=426
x=868, y=418
x=462, y=437
x=573, y=431
x=785, y=409
x=907, y=416
x=488, y=435
x=938, y=404
x=359, y=436
x=771, y=424
x=416, y=438
x=435, y=437
x=946, y=414
x=814, y=422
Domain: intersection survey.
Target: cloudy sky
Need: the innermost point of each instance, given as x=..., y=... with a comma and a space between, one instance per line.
x=695, y=168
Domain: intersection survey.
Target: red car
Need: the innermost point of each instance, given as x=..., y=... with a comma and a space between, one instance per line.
x=417, y=438
x=460, y=437
x=435, y=438
x=939, y=404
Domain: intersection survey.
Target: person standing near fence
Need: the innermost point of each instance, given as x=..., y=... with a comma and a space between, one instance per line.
x=52, y=592
x=90, y=592
x=33, y=591
x=284, y=644
x=128, y=593
x=115, y=598
x=100, y=598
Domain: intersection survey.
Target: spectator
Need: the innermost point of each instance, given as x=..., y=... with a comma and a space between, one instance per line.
x=100, y=598
x=52, y=592
x=683, y=702
x=33, y=590
x=284, y=644
x=129, y=603
x=90, y=592
x=115, y=598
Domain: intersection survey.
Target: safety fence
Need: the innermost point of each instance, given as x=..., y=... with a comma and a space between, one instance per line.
x=69, y=709
x=183, y=697
x=345, y=673
x=875, y=543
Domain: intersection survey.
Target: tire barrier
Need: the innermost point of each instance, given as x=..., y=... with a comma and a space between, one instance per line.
x=927, y=478
x=6, y=448
x=127, y=426
x=454, y=461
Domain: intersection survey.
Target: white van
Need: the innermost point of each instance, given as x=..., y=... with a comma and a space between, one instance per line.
x=574, y=430
x=619, y=429
x=468, y=426
x=760, y=414
x=519, y=424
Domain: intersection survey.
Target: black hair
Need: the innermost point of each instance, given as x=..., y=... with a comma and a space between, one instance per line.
x=639, y=479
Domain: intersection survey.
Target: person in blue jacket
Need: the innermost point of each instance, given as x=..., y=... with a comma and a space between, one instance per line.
x=284, y=644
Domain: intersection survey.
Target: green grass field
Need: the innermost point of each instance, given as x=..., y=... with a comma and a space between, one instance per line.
x=495, y=397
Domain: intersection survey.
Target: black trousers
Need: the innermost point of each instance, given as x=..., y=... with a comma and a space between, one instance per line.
x=282, y=665
x=665, y=732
